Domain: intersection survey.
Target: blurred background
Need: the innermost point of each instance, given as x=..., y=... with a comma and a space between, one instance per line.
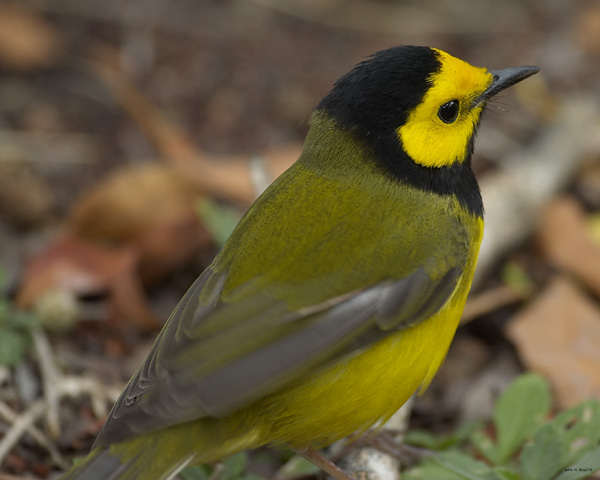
x=134, y=134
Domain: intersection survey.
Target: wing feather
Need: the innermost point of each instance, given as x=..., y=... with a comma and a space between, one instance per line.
x=196, y=370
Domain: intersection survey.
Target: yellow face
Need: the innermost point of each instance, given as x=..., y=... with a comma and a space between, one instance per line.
x=438, y=130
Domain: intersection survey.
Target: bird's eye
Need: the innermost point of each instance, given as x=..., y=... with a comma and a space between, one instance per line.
x=448, y=112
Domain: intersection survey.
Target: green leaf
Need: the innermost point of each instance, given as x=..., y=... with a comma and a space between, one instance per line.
x=579, y=427
x=541, y=458
x=199, y=472
x=5, y=311
x=430, y=471
x=13, y=346
x=423, y=438
x=583, y=467
x=517, y=278
x=235, y=465
x=464, y=466
x=464, y=431
x=23, y=320
x=232, y=468
x=3, y=279
x=486, y=446
x=220, y=220
x=521, y=408
x=506, y=474
x=460, y=435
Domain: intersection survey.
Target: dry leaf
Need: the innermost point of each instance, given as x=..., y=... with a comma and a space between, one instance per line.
x=27, y=41
x=85, y=269
x=148, y=207
x=133, y=228
x=586, y=28
x=558, y=336
x=564, y=238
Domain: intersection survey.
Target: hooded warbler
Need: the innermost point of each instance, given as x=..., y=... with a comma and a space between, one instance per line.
x=340, y=290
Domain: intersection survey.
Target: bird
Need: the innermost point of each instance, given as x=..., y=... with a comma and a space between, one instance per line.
x=339, y=292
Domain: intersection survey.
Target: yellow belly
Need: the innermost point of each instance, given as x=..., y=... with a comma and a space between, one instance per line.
x=361, y=391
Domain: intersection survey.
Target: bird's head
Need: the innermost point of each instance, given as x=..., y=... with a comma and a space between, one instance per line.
x=421, y=99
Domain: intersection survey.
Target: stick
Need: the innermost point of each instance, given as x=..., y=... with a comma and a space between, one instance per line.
x=22, y=424
x=9, y=415
x=50, y=378
x=323, y=463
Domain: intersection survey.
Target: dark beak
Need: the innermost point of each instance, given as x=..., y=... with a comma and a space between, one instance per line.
x=503, y=79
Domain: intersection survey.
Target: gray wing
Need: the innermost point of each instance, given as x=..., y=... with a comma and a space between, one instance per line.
x=211, y=359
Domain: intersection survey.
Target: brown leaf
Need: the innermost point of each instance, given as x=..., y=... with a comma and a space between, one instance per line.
x=586, y=28
x=88, y=269
x=74, y=265
x=563, y=237
x=488, y=301
x=136, y=226
x=148, y=207
x=27, y=41
x=558, y=336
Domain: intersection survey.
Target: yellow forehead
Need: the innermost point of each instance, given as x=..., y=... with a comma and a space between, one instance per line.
x=456, y=79
x=425, y=137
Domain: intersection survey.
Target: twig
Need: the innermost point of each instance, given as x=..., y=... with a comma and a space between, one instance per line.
x=405, y=453
x=22, y=424
x=50, y=378
x=65, y=386
x=217, y=472
x=322, y=462
x=74, y=387
x=56, y=386
x=10, y=415
x=489, y=301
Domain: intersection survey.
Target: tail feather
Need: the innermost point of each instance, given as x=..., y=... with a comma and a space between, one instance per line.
x=163, y=454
